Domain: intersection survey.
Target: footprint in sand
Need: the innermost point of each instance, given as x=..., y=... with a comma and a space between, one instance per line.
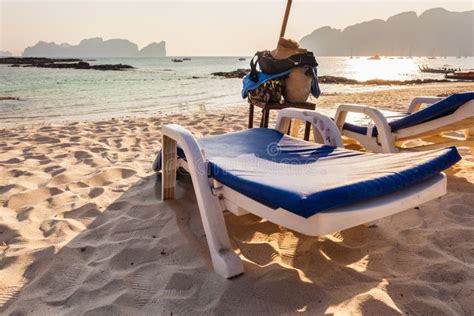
x=62, y=156
x=24, y=213
x=59, y=228
x=88, y=210
x=33, y=197
x=63, y=179
x=259, y=253
x=119, y=206
x=15, y=173
x=95, y=192
x=71, y=280
x=81, y=155
x=110, y=175
x=461, y=212
x=8, y=295
x=97, y=150
x=180, y=286
x=54, y=170
x=8, y=235
x=45, y=140
x=11, y=161
x=6, y=188
x=143, y=286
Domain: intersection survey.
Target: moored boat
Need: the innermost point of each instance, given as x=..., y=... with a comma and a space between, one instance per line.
x=461, y=75
x=443, y=70
x=376, y=57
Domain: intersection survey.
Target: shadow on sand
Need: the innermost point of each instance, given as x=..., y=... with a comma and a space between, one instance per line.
x=151, y=257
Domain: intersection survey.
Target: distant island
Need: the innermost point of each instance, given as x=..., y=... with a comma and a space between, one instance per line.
x=96, y=47
x=5, y=54
x=436, y=32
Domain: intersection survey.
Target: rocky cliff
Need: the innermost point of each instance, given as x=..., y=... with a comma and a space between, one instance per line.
x=94, y=47
x=5, y=54
x=436, y=32
x=153, y=50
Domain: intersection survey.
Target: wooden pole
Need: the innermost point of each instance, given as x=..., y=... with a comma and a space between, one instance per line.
x=285, y=19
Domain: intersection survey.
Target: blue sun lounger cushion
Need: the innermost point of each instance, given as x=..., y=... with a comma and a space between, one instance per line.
x=306, y=178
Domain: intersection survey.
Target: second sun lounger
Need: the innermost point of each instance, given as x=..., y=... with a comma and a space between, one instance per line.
x=385, y=131
x=314, y=189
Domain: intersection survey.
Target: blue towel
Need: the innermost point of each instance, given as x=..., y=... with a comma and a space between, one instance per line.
x=248, y=84
x=315, y=90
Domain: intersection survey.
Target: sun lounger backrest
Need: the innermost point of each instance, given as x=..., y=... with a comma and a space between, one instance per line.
x=439, y=109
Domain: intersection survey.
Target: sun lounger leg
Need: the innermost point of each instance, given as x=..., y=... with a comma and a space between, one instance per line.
x=295, y=129
x=169, y=162
x=225, y=261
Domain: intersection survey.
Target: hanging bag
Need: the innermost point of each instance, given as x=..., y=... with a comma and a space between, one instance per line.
x=270, y=65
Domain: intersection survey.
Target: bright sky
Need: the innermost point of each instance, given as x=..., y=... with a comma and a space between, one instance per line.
x=205, y=28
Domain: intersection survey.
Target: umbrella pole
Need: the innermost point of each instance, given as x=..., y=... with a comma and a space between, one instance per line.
x=285, y=19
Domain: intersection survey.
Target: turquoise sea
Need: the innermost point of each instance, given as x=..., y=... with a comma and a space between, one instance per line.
x=160, y=85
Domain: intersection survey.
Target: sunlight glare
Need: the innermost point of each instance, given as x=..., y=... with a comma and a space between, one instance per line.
x=393, y=68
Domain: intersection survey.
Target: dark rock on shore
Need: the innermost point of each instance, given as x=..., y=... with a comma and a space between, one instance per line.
x=111, y=67
x=84, y=65
x=79, y=65
x=239, y=73
x=337, y=80
x=35, y=60
x=376, y=82
x=72, y=63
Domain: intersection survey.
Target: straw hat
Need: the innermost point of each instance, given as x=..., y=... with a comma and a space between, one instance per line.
x=287, y=48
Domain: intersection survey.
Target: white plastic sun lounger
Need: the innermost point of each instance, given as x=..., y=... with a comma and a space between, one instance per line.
x=314, y=189
x=384, y=131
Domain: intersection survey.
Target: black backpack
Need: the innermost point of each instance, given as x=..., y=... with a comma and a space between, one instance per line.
x=270, y=65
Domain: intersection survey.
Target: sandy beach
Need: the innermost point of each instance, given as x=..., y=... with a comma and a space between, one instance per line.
x=83, y=230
